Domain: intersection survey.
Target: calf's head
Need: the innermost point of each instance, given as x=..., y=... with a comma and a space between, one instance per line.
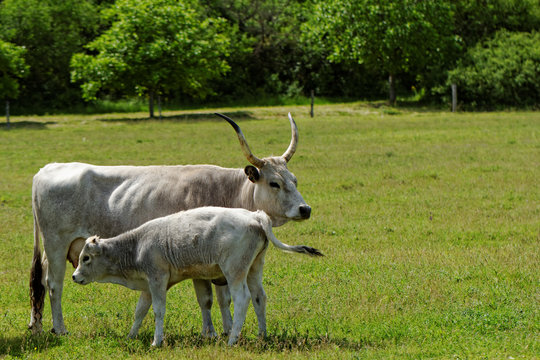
x=275, y=190
x=91, y=262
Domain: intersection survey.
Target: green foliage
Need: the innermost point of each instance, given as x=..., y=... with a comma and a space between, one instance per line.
x=478, y=20
x=12, y=68
x=265, y=50
x=429, y=222
x=153, y=47
x=393, y=37
x=236, y=50
x=50, y=31
x=504, y=70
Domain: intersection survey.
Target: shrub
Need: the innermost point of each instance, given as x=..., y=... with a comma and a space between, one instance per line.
x=502, y=71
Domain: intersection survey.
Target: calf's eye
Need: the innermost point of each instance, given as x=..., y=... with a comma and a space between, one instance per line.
x=85, y=258
x=274, y=185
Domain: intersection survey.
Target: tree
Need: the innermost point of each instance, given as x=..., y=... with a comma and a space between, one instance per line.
x=479, y=20
x=51, y=31
x=266, y=52
x=395, y=37
x=12, y=68
x=151, y=48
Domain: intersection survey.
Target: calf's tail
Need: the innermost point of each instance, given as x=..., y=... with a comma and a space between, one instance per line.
x=266, y=224
x=37, y=289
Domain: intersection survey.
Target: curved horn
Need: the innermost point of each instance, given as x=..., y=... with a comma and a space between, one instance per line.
x=294, y=140
x=243, y=143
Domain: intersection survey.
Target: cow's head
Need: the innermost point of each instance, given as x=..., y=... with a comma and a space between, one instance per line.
x=275, y=186
x=91, y=265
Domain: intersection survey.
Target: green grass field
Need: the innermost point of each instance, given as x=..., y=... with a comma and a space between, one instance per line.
x=430, y=223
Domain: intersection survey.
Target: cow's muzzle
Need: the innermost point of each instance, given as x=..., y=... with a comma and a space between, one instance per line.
x=305, y=211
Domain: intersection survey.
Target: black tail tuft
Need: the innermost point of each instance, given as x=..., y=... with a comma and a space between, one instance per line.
x=37, y=290
x=312, y=251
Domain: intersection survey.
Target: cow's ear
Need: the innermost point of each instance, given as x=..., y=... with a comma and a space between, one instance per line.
x=252, y=173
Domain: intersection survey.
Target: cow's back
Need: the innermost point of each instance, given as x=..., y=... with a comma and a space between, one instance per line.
x=80, y=200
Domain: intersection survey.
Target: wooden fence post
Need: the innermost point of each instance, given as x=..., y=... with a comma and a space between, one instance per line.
x=7, y=113
x=159, y=105
x=454, y=97
x=312, y=102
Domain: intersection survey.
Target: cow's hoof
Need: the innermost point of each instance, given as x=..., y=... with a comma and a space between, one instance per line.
x=35, y=329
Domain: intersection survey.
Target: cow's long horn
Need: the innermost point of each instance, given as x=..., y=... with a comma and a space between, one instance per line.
x=243, y=143
x=294, y=140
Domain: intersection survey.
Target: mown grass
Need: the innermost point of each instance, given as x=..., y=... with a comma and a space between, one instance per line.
x=430, y=223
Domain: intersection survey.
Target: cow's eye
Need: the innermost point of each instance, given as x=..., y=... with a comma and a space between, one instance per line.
x=86, y=258
x=274, y=185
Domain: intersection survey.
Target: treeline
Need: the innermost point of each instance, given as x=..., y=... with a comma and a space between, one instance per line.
x=57, y=54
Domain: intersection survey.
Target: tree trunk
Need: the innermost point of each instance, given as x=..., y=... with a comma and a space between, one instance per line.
x=151, y=104
x=392, y=90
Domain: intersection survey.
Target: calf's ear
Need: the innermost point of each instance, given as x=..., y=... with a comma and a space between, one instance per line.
x=92, y=243
x=252, y=173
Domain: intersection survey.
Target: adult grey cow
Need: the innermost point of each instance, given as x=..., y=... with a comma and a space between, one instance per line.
x=73, y=201
x=207, y=242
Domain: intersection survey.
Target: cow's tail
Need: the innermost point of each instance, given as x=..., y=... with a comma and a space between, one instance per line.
x=266, y=223
x=37, y=288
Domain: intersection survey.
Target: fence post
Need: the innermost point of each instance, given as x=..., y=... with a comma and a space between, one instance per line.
x=454, y=97
x=7, y=113
x=312, y=102
x=159, y=105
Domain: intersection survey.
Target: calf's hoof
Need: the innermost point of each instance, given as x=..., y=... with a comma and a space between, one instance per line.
x=208, y=334
x=60, y=332
x=232, y=340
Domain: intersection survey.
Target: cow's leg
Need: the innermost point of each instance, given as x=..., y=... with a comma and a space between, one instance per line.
x=55, y=282
x=145, y=300
x=258, y=296
x=224, y=300
x=203, y=289
x=240, y=295
x=158, y=290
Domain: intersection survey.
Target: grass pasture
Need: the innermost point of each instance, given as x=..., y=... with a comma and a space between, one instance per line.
x=430, y=223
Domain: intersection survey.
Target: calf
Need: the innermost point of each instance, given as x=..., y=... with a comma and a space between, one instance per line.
x=209, y=243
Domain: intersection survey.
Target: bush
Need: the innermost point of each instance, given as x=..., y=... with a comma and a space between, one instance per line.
x=503, y=71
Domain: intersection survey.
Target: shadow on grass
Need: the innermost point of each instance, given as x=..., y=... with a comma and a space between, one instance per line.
x=26, y=344
x=26, y=125
x=22, y=346
x=188, y=117
x=271, y=343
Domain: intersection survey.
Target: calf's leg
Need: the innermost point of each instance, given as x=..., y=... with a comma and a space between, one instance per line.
x=240, y=297
x=158, y=290
x=145, y=300
x=203, y=290
x=258, y=296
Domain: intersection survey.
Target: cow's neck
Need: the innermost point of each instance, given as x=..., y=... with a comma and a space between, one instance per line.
x=121, y=250
x=245, y=200
x=237, y=191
